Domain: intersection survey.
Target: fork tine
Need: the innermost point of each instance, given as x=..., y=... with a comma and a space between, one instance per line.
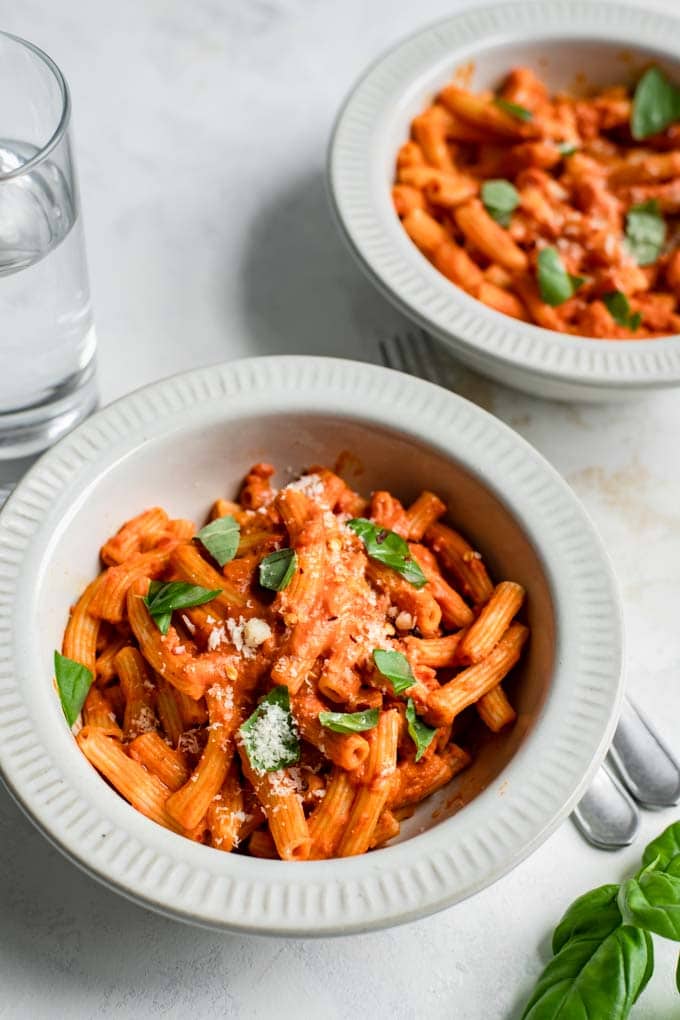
x=386, y=353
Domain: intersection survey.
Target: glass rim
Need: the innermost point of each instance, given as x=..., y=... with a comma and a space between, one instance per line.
x=64, y=119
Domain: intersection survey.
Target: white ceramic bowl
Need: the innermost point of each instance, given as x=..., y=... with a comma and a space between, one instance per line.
x=561, y=39
x=182, y=442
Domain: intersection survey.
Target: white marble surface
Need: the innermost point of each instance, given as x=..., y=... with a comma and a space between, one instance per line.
x=201, y=130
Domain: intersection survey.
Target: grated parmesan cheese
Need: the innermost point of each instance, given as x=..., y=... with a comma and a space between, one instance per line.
x=310, y=485
x=269, y=744
x=216, y=637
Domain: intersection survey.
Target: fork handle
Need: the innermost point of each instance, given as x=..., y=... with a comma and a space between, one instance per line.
x=645, y=765
x=606, y=816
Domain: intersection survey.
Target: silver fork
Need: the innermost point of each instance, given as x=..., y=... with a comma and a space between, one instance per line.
x=639, y=769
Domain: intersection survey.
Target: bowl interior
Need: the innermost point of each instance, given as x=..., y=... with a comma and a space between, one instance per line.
x=186, y=469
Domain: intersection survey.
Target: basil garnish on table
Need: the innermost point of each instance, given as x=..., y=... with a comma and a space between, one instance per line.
x=603, y=948
x=221, y=538
x=270, y=735
x=73, y=683
x=394, y=667
x=421, y=734
x=514, y=109
x=387, y=547
x=645, y=232
x=656, y=104
x=277, y=569
x=618, y=307
x=500, y=199
x=350, y=722
x=164, y=597
x=554, y=282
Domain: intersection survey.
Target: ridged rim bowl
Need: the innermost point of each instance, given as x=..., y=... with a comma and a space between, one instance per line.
x=359, y=152
x=95, y=828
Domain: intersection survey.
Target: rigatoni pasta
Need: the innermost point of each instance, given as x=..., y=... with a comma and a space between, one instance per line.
x=559, y=210
x=287, y=680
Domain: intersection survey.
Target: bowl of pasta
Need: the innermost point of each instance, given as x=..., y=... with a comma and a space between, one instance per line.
x=301, y=646
x=510, y=178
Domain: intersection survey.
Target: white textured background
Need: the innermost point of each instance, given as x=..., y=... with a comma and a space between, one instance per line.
x=201, y=129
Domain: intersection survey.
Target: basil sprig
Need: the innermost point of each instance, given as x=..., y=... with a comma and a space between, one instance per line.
x=221, y=538
x=645, y=232
x=603, y=948
x=270, y=735
x=421, y=734
x=387, y=547
x=554, y=282
x=394, y=667
x=163, y=597
x=618, y=307
x=73, y=682
x=500, y=199
x=656, y=104
x=514, y=109
x=277, y=569
x=350, y=722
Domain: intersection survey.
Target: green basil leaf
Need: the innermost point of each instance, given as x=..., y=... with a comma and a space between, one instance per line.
x=500, y=198
x=164, y=597
x=270, y=735
x=566, y=148
x=618, y=307
x=673, y=867
x=395, y=667
x=350, y=722
x=277, y=569
x=73, y=682
x=649, y=970
x=389, y=548
x=664, y=849
x=656, y=104
x=420, y=734
x=645, y=232
x=514, y=109
x=554, y=282
x=593, y=977
x=652, y=902
x=221, y=538
x=677, y=975
x=595, y=914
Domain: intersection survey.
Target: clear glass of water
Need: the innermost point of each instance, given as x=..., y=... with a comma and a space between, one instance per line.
x=47, y=338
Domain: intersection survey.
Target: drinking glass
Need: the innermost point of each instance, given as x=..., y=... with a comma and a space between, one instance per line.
x=47, y=337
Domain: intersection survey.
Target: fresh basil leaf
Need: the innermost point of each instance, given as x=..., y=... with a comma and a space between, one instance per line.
x=73, y=682
x=652, y=902
x=554, y=282
x=656, y=104
x=649, y=970
x=221, y=538
x=164, y=597
x=645, y=232
x=500, y=198
x=664, y=849
x=277, y=569
x=270, y=735
x=420, y=734
x=595, y=914
x=593, y=977
x=395, y=667
x=514, y=109
x=677, y=975
x=618, y=307
x=387, y=547
x=566, y=148
x=350, y=722
x=673, y=867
